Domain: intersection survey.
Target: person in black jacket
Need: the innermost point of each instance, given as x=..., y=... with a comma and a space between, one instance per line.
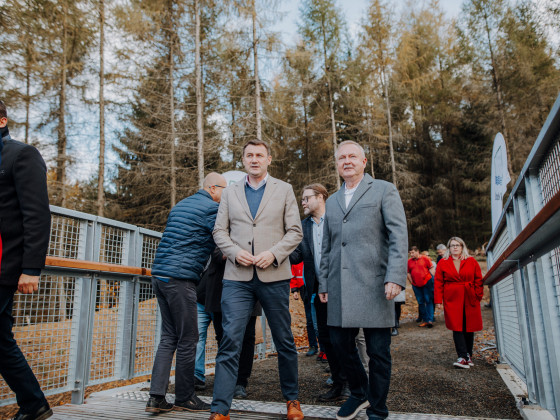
x=309, y=251
x=25, y=221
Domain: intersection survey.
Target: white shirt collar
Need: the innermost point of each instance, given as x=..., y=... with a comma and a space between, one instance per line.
x=260, y=183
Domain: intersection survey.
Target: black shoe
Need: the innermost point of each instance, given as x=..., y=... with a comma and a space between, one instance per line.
x=194, y=404
x=199, y=385
x=312, y=351
x=332, y=394
x=394, y=332
x=42, y=413
x=351, y=408
x=157, y=405
x=418, y=319
x=239, y=392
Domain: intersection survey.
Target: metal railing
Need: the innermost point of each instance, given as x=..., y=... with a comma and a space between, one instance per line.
x=524, y=261
x=94, y=318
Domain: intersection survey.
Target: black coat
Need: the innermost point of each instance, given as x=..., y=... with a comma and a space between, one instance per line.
x=305, y=252
x=25, y=217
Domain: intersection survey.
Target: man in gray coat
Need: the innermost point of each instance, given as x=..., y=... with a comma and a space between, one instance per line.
x=363, y=268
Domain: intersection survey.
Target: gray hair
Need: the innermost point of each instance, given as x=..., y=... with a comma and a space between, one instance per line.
x=441, y=246
x=464, y=252
x=352, y=142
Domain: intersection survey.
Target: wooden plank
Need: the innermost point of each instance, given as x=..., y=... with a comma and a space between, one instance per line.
x=59, y=262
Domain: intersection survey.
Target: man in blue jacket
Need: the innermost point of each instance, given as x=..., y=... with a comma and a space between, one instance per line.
x=184, y=249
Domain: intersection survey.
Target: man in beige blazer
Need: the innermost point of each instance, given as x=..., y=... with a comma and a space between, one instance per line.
x=257, y=228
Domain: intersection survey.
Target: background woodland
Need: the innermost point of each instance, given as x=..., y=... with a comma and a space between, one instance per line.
x=147, y=96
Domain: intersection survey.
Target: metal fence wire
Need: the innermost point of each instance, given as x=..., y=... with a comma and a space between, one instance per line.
x=86, y=327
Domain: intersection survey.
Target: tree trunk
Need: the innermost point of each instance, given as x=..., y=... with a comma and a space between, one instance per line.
x=61, y=129
x=331, y=105
x=27, y=96
x=497, y=86
x=199, y=98
x=101, y=170
x=256, y=66
x=388, y=105
x=173, y=198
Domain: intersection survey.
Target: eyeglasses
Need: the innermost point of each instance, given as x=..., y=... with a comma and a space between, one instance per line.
x=455, y=246
x=307, y=197
x=219, y=186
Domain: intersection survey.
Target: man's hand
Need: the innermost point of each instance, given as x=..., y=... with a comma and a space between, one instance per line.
x=28, y=284
x=392, y=290
x=264, y=259
x=439, y=305
x=245, y=258
x=296, y=295
x=324, y=297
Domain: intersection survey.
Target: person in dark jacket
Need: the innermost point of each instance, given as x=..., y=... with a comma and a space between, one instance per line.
x=180, y=258
x=25, y=222
x=313, y=201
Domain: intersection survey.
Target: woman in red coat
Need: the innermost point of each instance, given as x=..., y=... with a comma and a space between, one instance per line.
x=458, y=284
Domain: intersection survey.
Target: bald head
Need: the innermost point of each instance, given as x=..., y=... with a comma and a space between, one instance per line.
x=214, y=184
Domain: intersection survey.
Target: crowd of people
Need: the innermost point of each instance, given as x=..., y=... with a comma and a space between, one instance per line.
x=226, y=256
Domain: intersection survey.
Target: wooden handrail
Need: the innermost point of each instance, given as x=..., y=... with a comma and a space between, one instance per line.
x=96, y=266
x=540, y=219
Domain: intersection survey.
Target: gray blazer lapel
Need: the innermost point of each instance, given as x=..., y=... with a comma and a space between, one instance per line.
x=271, y=185
x=362, y=188
x=341, y=200
x=240, y=192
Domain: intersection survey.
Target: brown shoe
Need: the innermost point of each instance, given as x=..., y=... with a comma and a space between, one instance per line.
x=423, y=324
x=218, y=416
x=294, y=410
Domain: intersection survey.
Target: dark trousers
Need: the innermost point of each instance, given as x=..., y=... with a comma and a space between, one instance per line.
x=179, y=333
x=378, y=345
x=247, y=355
x=238, y=301
x=311, y=333
x=337, y=373
x=13, y=366
x=463, y=340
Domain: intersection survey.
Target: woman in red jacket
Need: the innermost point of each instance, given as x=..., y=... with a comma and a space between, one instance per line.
x=458, y=284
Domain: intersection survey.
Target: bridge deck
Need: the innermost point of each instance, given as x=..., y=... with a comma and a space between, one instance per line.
x=127, y=404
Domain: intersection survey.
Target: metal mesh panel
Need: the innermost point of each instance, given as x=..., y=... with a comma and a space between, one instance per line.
x=211, y=346
x=501, y=244
x=555, y=258
x=65, y=237
x=42, y=328
x=149, y=247
x=112, y=245
x=510, y=348
x=145, y=330
x=549, y=173
x=105, y=331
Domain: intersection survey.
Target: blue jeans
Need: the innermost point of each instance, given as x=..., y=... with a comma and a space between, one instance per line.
x=378, y=345
x=13, y=366
x=425, y=298
x=311, y=322
x=238, y=301
x=204, y=320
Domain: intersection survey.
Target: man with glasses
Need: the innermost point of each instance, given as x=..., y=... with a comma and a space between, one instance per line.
x=181, y=256
x=313, y=201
